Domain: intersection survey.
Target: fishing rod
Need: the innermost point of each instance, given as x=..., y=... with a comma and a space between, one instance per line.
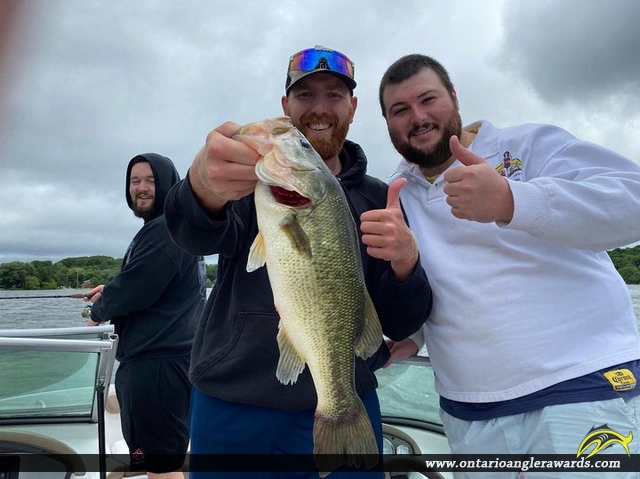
x=74, y=295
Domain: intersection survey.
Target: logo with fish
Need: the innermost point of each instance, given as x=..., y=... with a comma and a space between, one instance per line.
x=601, y=438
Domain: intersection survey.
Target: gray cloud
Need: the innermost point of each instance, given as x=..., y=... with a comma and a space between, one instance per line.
x=92, y=84
x=575, y=50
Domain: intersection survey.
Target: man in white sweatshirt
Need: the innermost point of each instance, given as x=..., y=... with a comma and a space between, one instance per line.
x=532, y=335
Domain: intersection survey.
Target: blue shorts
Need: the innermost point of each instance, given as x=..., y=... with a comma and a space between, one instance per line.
x=221, y=427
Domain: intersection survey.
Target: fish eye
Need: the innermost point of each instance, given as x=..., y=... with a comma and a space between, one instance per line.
x=305, y=144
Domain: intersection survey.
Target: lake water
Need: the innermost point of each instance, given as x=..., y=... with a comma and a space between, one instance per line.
x=29, y=312
x=32, y=312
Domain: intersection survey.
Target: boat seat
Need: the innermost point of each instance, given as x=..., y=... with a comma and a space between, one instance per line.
x=31, y=442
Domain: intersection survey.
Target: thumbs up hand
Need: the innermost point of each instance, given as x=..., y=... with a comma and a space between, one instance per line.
x=387, y=235
x=393, y=194
x=475, y=191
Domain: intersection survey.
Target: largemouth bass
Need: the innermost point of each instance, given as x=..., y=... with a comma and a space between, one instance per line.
x=309, y=243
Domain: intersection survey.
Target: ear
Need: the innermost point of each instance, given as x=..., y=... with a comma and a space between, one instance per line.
x=284, y=101
x=354, y=106
x=454, y=97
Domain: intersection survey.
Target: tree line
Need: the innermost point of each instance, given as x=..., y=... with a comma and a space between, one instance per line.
x=627, y=262
x=90, y=271
x=82, y=272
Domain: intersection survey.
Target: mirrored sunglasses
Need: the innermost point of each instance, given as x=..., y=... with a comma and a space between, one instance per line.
x=314, y=59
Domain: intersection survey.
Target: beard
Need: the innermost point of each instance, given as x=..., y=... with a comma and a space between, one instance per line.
x=327, y=146
x=144, y=212
x=436, y=155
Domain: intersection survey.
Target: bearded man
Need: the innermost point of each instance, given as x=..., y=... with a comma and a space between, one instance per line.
x=154, y=304
x=239, y=406
x=533, y=339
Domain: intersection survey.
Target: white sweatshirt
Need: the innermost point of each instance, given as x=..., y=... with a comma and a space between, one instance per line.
x=523, y=306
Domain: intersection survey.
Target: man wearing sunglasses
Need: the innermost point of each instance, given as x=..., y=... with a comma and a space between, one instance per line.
x=238, y=404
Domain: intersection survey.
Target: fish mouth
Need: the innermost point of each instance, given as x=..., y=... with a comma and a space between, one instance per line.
x=288, y=197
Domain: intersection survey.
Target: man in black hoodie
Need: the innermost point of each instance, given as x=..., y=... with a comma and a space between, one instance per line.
x=154, y=304
x=239, y=406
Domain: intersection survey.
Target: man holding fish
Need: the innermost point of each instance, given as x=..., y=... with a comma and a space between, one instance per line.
x=284, y=356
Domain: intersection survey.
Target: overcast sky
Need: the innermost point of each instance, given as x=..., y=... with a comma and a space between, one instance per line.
x=86, y=85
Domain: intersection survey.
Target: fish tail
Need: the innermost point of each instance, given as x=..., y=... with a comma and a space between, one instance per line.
x=349, y=441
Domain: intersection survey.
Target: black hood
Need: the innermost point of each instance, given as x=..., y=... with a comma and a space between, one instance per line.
x=354, y=164
x=165, y=176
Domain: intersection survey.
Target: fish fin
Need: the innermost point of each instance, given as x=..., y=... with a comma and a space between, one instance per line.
x=350, y=441
x=371, y=337
x=292, y=230
x=257, y=254
x=290, y=364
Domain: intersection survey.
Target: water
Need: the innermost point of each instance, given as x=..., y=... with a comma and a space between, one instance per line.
x=65, y=312
x=41, y=312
